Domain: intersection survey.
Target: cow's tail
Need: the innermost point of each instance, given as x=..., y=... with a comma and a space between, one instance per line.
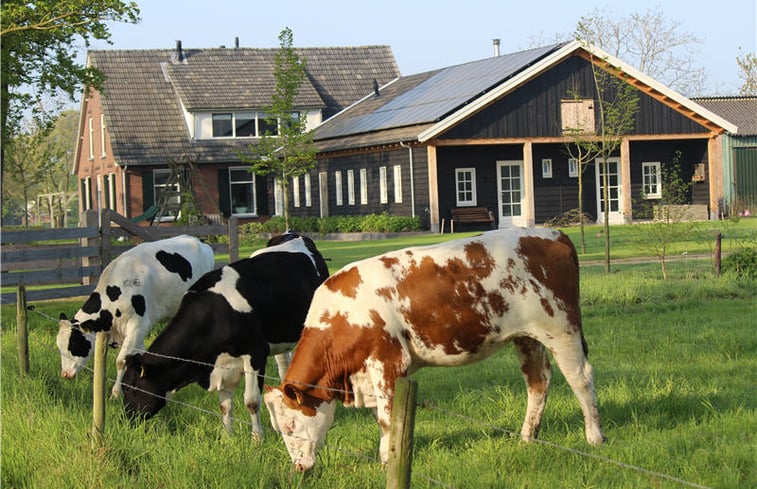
x=564, y=239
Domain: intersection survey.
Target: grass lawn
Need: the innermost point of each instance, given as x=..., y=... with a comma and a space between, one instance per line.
x=674, y=363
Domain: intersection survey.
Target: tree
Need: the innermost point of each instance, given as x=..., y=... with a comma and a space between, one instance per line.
x=748, y=72
x=650, y=42
x=288, y=151
x=617, y=103
x=668, y=224
x=37, y=57
x=38, y=164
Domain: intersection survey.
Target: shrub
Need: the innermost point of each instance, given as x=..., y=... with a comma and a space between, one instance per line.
x=742, y=263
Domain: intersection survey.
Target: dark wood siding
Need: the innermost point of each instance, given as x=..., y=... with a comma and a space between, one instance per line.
x=371, y=162
x=533, y=110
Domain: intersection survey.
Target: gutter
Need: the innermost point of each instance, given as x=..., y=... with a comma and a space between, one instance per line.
x=412, y=179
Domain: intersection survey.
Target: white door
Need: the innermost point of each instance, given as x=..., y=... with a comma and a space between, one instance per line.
x=510, y=193
x=613, y=188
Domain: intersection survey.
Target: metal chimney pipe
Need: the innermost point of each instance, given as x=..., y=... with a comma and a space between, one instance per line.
x=179, y=52
x=496, y=47
x=236, y=42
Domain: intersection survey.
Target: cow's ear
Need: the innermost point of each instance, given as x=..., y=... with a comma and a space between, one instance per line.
x=134, y=362
x=63, y=317
x=294, y=393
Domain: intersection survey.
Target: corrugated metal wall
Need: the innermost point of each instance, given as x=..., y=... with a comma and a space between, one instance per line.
x=745, y=178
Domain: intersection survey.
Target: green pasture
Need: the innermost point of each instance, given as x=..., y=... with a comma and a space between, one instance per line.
x=674, y=363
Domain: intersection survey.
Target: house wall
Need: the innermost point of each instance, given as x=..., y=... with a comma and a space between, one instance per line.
x=100, y=164
x=371, y=162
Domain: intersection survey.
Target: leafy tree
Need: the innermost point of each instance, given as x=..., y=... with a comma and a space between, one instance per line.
x=38, y=163
x=37, y=57
x=290, y=152
x=617, y=104
x=748, y=72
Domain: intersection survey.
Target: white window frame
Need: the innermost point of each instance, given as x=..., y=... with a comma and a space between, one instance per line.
x=87, y=193
x=112, y=191
x=397, y=184
x=308, y=191
x=363, y=186
x=91, y=140
x=546, y=168
x=338, y=187
x=474, y=199
x=296, y=191
x=573, y=168
x=103, y=154
x=656, y=170
x=383, y=190
x=351, y=187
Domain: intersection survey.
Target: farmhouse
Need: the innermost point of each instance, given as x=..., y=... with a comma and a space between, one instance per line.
x=485, y=140
x=492, y=134
x=170, y=123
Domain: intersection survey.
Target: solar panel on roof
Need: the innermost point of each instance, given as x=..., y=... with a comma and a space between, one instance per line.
x=433, y=98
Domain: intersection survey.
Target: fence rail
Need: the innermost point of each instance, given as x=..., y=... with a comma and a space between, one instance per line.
x=73, y=258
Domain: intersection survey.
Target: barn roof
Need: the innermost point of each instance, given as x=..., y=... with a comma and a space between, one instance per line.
x=741, y=111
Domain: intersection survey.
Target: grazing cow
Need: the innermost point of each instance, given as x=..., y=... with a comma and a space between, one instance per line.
x=233, y=318
x=447, y=304
x=140, y=287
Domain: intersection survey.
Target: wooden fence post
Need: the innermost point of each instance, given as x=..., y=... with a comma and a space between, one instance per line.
x=398, y=470
x=718, y=253
x=22, y=331
x=233, y=239
x=98, y=389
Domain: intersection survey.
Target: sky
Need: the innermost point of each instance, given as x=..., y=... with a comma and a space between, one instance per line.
x=427, y=35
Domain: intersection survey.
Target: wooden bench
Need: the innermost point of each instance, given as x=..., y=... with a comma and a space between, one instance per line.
x=470, y=215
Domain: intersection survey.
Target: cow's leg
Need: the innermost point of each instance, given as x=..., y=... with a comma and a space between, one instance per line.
x=537, y=372
x=575, y=366
x=226, y=400
x=282, y=361
x=134, y=339
x=252, y=396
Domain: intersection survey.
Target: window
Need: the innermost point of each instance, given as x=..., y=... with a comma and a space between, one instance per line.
x=651, y=179
x=102, y=135
x=383, y=193
x=572, y=167
x=86, y=193
x=173, y=190
x=351, y=187
x=546, y=168
x=242, y=190
x=338, y=186
x=267, y=127
x=577, y=116
x=465, y=185
x=308, y=191
x=109, y=191
x=363, y=186
x=244, y=124
x=91, y=140
x=222, y=126
x=296, y=191
x=397, y=184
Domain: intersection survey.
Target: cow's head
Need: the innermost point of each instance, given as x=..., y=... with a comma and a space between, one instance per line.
x=75, y=346
x=301, y=420
x=142, y=395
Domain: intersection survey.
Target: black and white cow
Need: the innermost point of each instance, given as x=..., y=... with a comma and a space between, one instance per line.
x=233, y=318
x=140, y=287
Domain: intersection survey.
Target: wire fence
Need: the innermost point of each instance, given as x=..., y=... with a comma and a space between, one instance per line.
x=426, y=404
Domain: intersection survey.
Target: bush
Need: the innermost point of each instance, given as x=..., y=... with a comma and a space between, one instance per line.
x=742, y=263
x=372, y=223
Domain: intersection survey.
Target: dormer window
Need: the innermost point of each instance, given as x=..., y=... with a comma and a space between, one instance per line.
x=242, y=125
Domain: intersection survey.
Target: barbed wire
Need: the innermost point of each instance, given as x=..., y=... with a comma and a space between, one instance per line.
x=424, y=404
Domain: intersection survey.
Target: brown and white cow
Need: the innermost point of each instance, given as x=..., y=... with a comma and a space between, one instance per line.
x=448, y=304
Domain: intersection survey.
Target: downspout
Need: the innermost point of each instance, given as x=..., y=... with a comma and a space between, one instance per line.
x=123, y=184
x=412, y=179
